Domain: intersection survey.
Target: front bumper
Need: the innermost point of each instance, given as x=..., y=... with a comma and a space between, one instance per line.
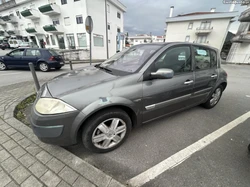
x=59, y=129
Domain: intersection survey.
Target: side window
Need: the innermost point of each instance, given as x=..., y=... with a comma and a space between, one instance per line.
x=18, y=52
x=213, y=59
x=33, y=52
x=178, y=59
x=202, y=58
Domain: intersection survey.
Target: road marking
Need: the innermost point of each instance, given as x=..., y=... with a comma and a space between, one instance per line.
x=184, y=154
x=10, y=74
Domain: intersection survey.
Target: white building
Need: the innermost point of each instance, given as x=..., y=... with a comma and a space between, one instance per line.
x=240, y=50
x=61, y=23
x=144, y=38
x=208, y=28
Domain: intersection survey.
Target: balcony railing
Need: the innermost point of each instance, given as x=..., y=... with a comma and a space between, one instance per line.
x=245, y=16
x=34, y=30
x=10, y=18
x=50, y=9
x=243, y=38
x=30, y=14
x=204, y=30
x=56, y=29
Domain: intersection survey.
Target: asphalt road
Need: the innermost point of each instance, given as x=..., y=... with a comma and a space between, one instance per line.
x=225, y=162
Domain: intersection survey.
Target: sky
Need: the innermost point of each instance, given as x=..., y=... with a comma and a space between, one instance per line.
x=145, y=16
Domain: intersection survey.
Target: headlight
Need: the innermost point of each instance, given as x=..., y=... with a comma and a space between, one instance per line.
x=52, y=106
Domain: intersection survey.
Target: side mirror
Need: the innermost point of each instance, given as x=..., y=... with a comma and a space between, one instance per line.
x=7, y=54
x=163, y=73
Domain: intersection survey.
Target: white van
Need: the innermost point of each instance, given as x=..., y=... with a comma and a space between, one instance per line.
x=14, y=42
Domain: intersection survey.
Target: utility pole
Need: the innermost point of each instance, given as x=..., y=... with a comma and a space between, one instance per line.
x=106, y=20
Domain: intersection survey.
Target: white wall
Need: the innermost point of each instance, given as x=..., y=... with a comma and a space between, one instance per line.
x=178, y=31
x=239, y=53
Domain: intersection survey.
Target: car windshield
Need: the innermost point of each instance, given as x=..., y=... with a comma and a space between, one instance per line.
x=130, y=60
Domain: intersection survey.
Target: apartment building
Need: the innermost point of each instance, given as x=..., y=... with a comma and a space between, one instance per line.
x=144, y=38
x=209, y=28
x=60, y=24
x=240, y=50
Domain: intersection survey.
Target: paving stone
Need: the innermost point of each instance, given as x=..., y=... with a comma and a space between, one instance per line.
x=4, y=155
x=17, y=136
x=10, y=131
x=50, y=179
x=4, y=126
x=7, y=115
x=27, y=160
x=31, y=182
x=24, y=142
x=33, y=149
x=17, y=152
x=4, y=138
x=12, y=184
x=10, y=164
x=55, y=165
x=9, y=145
x=20, y=174
x=82, y=182
x=114, y=183
x=63, y=184
x=68, y=175
x=44, y=157
x=38, y=169
x=4, y=178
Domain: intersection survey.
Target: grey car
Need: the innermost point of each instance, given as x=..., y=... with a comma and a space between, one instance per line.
x=99, y=105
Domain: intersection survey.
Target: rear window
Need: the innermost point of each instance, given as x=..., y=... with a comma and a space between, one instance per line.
x=53, y=53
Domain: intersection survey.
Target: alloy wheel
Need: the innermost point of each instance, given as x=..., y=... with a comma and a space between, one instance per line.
x=2, y=66
x=215, y=97
x=43, y=67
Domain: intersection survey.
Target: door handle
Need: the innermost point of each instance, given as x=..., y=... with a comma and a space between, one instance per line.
x=189, y=82
x=214, y=76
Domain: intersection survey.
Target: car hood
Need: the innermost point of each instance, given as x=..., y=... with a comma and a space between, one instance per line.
x=77, y=80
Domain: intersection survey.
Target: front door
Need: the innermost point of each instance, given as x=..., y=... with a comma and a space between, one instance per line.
x=15, y=58
x=206, y=72
x=164, y=96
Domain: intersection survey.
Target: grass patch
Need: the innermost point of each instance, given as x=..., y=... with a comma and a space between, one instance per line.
x=22, y=110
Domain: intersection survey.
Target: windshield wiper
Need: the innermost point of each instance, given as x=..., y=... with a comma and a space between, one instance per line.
x=105, y=69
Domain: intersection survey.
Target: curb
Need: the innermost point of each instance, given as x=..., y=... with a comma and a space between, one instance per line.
x=84, y=169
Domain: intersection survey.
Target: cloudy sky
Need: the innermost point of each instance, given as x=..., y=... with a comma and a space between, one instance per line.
x=145, y=16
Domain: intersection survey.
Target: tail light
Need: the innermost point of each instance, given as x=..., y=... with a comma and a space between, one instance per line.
x=52, y=58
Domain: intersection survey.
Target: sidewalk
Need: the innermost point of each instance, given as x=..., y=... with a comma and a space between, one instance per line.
x=27, y=162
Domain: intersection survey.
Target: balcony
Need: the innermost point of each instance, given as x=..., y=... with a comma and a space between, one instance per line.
x=30, y=14
x=1, y=32
x=243, y=38
x=54, y=29
x=245, y=16
x=34, y=31
x=50, y=9
x=2, y=22
x=7, y=5
x=203, y=30
x=10, y=18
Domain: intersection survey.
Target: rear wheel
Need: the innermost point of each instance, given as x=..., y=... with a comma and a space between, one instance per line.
x=43, y=66
x=2, y=66
x=106, y=130
x=214, y=98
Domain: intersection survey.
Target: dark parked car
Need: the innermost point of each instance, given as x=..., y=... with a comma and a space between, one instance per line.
x=101, y=104
x=4, y=45
x=43, y=59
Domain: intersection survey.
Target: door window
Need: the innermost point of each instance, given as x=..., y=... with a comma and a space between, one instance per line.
x=213, y=59
x=18, y=52
x=178, y=59
x=33, y=52
x=202, y=58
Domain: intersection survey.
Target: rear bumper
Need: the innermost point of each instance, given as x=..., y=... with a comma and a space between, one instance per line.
x=56, y=64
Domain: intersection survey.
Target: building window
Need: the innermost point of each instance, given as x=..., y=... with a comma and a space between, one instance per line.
x=187, y=39
x=118, y=30
x=82, y=41
x=66, y=21
x=21, y=27
x=108, y=8
x=98, y=40
x=52, y=40
x=190, y=26
x=119, y=15
x=64, y=2
x=71, y=41
x=47, y=39
x=29, y=25
x=205, y=24
x=108, y=26
x=202, y=39
x=79, y=19
x=18, y=14
x=56, y=22
x=76, y=0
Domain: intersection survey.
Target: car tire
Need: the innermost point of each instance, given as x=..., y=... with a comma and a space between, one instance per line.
x=44, y=67
x=110, y=136
x=57, y=68
x=249, y=147
x=3, y=66
x=214, y=98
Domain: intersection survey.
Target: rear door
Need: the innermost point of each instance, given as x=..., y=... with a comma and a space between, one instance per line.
x=206, y=72
x=31, y=55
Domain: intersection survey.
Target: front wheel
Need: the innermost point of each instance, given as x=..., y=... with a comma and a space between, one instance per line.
x=43, y=66
x=214, y=98
x=106, y=130
x=2, y=66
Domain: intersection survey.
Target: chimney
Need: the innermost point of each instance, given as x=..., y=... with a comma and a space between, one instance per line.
x=171, y=11
x=232, y=7
x=212, y=9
